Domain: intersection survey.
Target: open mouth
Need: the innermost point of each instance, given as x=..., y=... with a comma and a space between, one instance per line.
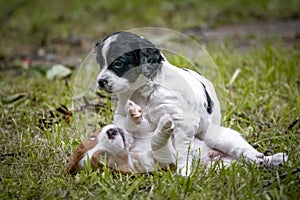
x=108, y=89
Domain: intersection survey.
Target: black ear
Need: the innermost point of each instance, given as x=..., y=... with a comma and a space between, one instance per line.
x=150, y=58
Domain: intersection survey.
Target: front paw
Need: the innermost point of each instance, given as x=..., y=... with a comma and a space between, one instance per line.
x=134, y=111
x=167, y=124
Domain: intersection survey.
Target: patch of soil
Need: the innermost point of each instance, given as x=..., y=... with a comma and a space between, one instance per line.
x=72, y=50
x=288, y=31
x=65, y=51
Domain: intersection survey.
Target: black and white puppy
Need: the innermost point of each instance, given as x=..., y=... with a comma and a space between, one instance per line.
x=135, y=69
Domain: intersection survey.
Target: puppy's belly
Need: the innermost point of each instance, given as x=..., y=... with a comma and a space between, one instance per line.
x=141, y=155
x=141, y=145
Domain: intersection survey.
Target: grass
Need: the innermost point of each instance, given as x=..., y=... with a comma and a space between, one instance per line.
x=262, y=103
x=260, y=98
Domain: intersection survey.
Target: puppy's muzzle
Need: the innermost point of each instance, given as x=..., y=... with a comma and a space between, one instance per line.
x=111, y=133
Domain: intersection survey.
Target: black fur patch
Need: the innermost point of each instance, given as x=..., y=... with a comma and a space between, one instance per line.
x=151, y=61
x=129, y=51
x=209, y=104
x=125, y=63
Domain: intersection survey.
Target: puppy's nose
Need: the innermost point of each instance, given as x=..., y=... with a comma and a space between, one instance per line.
x=111, y=133
x=102, y=82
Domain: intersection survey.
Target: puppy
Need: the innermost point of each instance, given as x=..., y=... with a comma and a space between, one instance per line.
x=146, y=151
x=162, y=142
x=143, y=150
x=133, y=68
x=113, y=148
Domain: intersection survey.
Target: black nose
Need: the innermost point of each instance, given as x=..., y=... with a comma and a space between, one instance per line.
x=111, y=133
x=102, y=82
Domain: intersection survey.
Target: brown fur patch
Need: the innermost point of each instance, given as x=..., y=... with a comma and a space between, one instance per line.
x=73, y=164
x=114, y=162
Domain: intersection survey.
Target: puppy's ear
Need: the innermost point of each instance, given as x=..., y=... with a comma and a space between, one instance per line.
x=73, y=164
x=150, y=58
x=97, y=49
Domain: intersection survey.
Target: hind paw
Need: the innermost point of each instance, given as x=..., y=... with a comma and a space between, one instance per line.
x=167, y=124
x=274, y=160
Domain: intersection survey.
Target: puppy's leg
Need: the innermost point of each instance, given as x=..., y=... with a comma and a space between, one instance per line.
x=209, y=156
x=161, y=144
x=233, y=144
x=230, y=142
x=183, y=141
x=162, y=133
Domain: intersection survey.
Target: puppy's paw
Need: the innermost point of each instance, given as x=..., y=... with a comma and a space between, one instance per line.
x=134, y=111
x=167, y=124
x=268, y=161
x=274, y=160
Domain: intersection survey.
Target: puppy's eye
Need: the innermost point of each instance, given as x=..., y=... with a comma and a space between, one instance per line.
x=118, y=64
x=92, y=137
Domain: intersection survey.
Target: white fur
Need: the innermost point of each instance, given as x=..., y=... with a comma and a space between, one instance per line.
x=115, y=83
x=106, y=47
x=148, y=149
x=180, y=94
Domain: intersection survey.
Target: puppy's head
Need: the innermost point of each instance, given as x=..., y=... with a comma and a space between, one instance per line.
x=106, y=146
x=123, y=57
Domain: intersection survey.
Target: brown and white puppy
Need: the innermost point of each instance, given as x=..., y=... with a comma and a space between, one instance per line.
x=92, y=150
x=142, y=150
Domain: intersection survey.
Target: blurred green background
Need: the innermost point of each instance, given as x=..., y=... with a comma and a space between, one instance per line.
x=29, y=24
